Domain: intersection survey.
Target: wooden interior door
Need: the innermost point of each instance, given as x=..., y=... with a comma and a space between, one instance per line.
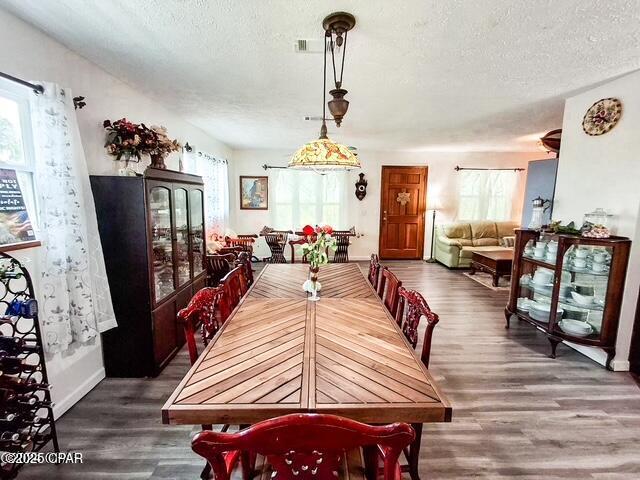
x=402, y=206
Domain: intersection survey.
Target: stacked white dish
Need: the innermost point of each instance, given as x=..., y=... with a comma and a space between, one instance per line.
x=576, y=328
x=542, y=311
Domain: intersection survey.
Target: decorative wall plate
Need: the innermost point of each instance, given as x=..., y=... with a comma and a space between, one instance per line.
x=602, y=116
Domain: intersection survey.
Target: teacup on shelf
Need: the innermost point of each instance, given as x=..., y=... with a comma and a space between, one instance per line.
x=599, y=257
x=598, y=267
x=580, y=299
x=579, y=262
x=581, y=253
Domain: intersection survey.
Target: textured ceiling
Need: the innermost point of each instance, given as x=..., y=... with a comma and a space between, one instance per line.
x=422, y=75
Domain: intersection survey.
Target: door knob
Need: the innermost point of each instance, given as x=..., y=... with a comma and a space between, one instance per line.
x=384, y=216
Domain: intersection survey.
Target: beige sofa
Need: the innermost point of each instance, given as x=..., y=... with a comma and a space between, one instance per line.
x=456, y=242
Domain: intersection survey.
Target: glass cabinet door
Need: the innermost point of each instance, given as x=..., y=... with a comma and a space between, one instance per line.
x=181, y=220
x=197, y=231
x=161, y=241
x=585, y=271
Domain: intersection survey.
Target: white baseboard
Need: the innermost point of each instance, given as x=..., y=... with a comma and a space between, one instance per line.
x=600, y=356
x=620, y=365
x=359, y=258
x=74, y=397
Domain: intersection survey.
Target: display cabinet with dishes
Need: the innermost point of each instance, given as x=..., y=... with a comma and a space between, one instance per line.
x=152, y=233
x=569, y=287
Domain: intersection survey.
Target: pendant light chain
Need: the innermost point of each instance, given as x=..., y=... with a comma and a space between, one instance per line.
x=323, y=128
x=333, y=60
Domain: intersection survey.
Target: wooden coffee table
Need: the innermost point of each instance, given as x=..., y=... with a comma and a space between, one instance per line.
x=495, y=262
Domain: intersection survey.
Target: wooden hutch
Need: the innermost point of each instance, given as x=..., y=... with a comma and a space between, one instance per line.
x=152, y=233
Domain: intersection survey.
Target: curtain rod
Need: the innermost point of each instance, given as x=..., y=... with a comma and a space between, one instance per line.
x=37, y=89
x=458, y=168
x=267, y=167
x=78, y=102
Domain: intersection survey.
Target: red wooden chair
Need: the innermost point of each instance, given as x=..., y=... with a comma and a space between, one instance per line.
x=309, y=447
x=374, y=268
x=243, y=241
x=218, y=266
x=234, y=285
x=202, y=311
x=388, y=285
x=411, y=308
x=244, y=261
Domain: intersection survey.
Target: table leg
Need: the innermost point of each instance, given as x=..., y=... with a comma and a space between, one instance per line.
x=472, y=268
x=414, y=452
x=496, y=277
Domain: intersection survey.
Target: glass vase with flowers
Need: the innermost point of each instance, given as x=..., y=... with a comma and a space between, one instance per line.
x=316, y=252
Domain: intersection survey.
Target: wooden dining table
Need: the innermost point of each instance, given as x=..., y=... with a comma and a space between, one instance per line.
x=279, y=353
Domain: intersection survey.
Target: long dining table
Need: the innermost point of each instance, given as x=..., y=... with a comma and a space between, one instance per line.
x=279, y=353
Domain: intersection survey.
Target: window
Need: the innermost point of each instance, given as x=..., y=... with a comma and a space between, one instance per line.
x=486, y=194
x=302, y=197
x=216, y=189
x=16, y=140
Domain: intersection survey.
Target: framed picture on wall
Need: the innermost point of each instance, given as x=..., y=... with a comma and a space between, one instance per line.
x=254, y=193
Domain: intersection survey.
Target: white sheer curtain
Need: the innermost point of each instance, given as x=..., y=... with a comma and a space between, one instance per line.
x=486, y=194
x=215, y=175
x=75, y=300
x=303, y=197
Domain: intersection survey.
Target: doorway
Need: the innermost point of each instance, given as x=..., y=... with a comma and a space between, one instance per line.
x=403, y=199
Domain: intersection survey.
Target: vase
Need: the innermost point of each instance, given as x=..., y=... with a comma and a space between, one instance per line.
x=157, y=161
x=313, y=286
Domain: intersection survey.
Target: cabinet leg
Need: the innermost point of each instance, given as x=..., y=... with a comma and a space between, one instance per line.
x=496, y=277
x=554, y=344
x=507, y=317
x=610, y=355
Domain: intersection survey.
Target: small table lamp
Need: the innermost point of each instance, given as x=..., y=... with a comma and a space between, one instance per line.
x=434, y=204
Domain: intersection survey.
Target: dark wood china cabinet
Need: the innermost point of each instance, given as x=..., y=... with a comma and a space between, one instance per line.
x=152, y=233
x=569, y=287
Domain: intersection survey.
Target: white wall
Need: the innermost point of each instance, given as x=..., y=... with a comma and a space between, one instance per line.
x=604, y=171
x=28, y=53
x=365, y=214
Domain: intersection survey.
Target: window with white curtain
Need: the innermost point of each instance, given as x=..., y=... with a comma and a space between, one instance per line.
x=303, y=197
x=16, y=140
x=486, y=194
x=214, y=173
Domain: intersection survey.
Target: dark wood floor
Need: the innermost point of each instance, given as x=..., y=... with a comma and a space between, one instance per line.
x=517, y=414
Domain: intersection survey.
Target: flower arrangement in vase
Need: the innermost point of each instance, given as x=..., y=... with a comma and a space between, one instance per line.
x=160, y=146
x=128, y=141
x=319, y=241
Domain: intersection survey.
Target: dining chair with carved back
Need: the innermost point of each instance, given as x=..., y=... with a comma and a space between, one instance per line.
x=243, y=241
x=276, y=241
x=203, y=312
x=218, y=265
x=374, y=269
x=301, y=241
x=343, y=240
x=411, y=308
x=309, y=446
x=388, y=284
x=244, y=261
x=234, y=286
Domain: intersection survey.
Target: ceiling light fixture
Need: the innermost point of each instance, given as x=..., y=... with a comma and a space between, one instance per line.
x=324, y=154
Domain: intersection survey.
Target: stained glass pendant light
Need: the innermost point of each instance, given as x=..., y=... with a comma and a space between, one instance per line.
x=324, y=154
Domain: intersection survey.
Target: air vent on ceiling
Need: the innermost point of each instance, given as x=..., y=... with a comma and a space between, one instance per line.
x=303, y=45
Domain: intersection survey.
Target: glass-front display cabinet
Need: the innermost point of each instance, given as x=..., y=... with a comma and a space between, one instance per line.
x=569, y=287
x=152, y=233
x=176, y=218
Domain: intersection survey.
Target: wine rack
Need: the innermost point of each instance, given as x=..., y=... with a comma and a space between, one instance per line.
x=26, y=415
